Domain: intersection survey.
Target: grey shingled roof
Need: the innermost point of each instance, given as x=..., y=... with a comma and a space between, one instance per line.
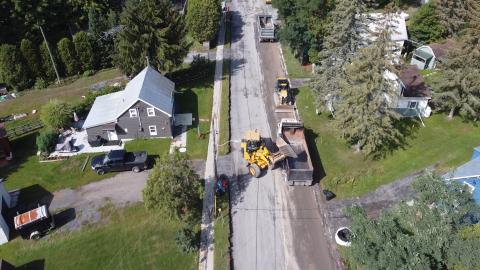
x=148, y=86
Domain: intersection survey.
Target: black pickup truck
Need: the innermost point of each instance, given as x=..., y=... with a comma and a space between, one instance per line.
x=119, y=160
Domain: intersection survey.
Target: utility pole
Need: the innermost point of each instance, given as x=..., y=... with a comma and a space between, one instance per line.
x=49, y=53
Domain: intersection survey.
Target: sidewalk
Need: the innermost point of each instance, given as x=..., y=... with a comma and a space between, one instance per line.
x=206, y=259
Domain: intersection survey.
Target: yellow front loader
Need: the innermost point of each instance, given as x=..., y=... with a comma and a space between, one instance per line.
x=257, y=154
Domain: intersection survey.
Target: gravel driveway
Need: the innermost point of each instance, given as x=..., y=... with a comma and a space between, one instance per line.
x=82, y=205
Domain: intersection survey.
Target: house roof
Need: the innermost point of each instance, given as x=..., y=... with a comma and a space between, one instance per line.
x=441, y=49
x=413, y=82
x=3, y=131
x=148, y=86
x=467, y=170
x=376, y=21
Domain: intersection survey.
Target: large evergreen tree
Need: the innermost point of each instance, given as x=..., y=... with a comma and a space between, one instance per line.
x=339, y=45
x=85, y=50
x=364, y=115
x=453, y=15
x=203, y=18
x=13, y=69
x=68, y=55
x=430, y=232
x=457, y=89
x=153, y=30
x=31, y=56
x=47, y=65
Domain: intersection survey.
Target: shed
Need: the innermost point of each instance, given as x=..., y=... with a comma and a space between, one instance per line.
x=468, y=174
x=427, y=57
x=4, y=265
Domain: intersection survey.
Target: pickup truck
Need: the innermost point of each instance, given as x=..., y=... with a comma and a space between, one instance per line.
x=119, y=160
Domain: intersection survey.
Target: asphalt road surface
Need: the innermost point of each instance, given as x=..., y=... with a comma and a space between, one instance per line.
x=274, y=226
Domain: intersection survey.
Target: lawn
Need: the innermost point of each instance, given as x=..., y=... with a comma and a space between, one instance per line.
x=221, y=235
x=196, y=97
x=294, y=68
x=442, y=142
x=72, y=92
x=154, y=147
x=134, y=238
x=26, y=170
x=224, y=136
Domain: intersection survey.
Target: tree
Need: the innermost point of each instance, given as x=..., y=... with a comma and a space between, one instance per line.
x=458, y=87
x=203, y=18
x=173, y=187
x=424, y=234
x=85, y=51
x=46, y=141
x=453, y=15
x=30, y=54
x=56, y=114
x=425, y=25
x=47, y=66
x=364, y=115
x=97, y=22
x=339, y=46
x=13, y=69
x=67, y=53
x=151, y=29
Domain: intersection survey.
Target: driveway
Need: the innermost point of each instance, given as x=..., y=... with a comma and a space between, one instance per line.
x=88, y=200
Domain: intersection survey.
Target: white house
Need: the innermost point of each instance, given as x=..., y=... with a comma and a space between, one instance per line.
x=413, y=94
x=376, y=22
x=5, y=203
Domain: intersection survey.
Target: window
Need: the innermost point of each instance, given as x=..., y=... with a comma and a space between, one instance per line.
x=133, y=113
x=153, y=130
x=150, y=111
x=412, y=104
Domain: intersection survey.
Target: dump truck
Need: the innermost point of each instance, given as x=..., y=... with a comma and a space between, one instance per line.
x=298, y=167
x=266, y=28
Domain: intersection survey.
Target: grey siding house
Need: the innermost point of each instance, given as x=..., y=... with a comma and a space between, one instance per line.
x=144, y=109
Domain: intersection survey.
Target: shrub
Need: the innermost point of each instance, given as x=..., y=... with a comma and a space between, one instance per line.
x=56, y=114
x=40, y=83
x=88, y=73
x=186, y=240
x=46, y=141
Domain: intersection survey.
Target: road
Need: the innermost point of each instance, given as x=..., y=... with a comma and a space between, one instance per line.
x=274, y=226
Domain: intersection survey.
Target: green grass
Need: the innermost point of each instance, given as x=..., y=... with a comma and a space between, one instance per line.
x=221, y=235
x=224, y=136
x=71, y=92
x=442, y=142
x=154, y=147
x=134, y=238
x=26, y=170
x=294, y=68
x=197, y=98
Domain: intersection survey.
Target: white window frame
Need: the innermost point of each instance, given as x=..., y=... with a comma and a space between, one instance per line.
x=410, y=103
x=133, y=113
x=150, y=112
x=150, y=130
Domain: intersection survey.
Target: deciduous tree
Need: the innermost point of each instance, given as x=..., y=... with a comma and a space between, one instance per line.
x=173, y=186
x=427, y=233
x=153, y=30
x=203, y=18
x=56, y=114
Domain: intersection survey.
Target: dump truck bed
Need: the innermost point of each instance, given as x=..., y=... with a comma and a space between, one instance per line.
x=266, y=27
x=299, y=169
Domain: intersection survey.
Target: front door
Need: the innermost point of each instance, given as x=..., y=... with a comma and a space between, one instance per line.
x=112, y=135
